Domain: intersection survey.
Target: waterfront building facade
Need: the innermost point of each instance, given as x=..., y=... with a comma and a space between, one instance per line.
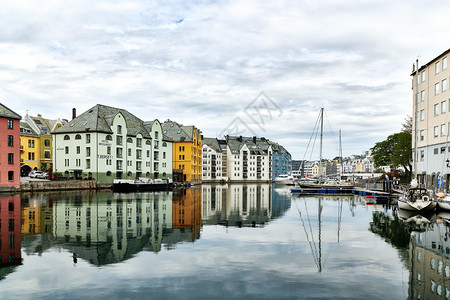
x=105, y=143
x=10, y=237
x=187, y=150
x=43, y=150
x=431, y=119
x=29, y=149
x=282, y=160
x=9, y=147
x=213, y=164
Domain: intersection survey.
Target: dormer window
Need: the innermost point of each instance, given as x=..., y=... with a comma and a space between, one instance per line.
x=119, y=129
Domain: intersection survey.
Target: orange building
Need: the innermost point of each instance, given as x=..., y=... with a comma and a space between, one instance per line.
x=187, y=151
x=187, y=210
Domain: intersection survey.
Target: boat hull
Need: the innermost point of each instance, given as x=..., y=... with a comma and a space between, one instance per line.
x=129, y=187
x=418, y=205
x=444, y=203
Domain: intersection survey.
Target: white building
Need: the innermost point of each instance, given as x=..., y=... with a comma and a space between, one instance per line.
x=214, y=167
x=105, y=143
x=248, y=158
x=431, y=119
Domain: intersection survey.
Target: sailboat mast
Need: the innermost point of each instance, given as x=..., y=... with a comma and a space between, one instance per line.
x=320, y=235
x=416, y=103
x=340, y=155
x=321, y=138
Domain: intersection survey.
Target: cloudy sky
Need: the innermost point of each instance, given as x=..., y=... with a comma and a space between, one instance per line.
x=251, y=67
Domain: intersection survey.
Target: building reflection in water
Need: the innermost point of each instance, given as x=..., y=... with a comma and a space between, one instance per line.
x=10, y=238
x=430, y=261
x=243, y=205
x=104, y=227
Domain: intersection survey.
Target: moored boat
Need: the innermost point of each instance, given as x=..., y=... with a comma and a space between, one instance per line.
x=141, y=185
x=417, y=199
x=443, y=201
x=285, y=179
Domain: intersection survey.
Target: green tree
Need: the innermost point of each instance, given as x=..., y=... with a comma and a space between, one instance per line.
x=395, y=151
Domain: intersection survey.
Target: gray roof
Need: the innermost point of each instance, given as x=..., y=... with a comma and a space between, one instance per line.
x=27, y=130
x=42, y=122
x=148, y=125
x=8, y=113
x=176, y=132
x=213, y=143
x=99, y=119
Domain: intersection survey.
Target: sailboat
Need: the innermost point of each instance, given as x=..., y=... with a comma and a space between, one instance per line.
x=416, y=199
x=324, y=182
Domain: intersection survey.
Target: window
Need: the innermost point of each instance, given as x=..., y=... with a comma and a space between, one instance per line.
x=436, y=88
x=119, y=152
x=10, y=124
x=164, y=155
x=88, y=138
x=78, y=150
x=10, y=158
x=138, y=154
x=88, y=163
x=138, y=165
x=108, y=173
x=436, y=109
x=10, y=140
x=422, y=135
x=164, y=144
x=129, y=152
x=46, y=153
x=119, y=164
x=138, y=142
x=66, y=162
x=156, y=134
x=119, y=129
x=78, y=137
x=443, y=106
x=436, y=150
x=436, y=131
x=442, y=149
x=66, y=150
x=423, y=76
x=88, y=151
x=444, y=85
x=422, y=96
x=30, y=143
x=47, y=143
x=422, y=115
x=156, y=144
x=66, y=137
x=109, y=138
x=119, y=140
x=78, y=162
x=443, y=130
x=437, y=67
x=444, y=63
x=108, y=150
x=422, y=155
x=10, y=174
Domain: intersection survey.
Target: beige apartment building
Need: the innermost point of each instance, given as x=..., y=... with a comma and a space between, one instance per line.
x=431, y=119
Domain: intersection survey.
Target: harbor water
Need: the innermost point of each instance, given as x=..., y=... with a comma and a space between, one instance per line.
x=253, y=241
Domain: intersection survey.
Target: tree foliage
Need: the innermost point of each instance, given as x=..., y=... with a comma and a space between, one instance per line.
x=395, y=151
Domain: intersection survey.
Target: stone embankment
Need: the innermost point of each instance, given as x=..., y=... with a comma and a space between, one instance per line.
x=43, y=186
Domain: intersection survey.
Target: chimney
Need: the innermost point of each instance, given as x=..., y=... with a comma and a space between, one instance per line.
x=74, y=113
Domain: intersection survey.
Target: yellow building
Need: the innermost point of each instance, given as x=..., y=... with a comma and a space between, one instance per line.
x=29, y=149
x=37, y=154
x=187, y=151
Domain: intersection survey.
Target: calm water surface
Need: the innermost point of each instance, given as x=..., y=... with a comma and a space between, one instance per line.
x=237, y=241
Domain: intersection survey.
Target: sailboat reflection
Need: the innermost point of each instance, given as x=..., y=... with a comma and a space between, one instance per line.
x=315, y=242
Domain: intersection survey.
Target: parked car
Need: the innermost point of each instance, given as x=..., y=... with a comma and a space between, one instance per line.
x=38, y=174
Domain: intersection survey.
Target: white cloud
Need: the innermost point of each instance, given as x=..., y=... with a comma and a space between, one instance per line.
x=353, y=58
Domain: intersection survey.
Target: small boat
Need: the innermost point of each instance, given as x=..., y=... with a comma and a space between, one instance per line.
x=417, y=199
x=443, y=201
x=141, y=185
x=285, y=179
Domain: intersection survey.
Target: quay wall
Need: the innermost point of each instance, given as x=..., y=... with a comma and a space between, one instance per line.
x=43, y=186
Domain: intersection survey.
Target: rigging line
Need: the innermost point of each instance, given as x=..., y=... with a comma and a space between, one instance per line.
x=333, y=133
x=310, y=228
x=339, y=217
x=307, y=236
x=312, y=135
